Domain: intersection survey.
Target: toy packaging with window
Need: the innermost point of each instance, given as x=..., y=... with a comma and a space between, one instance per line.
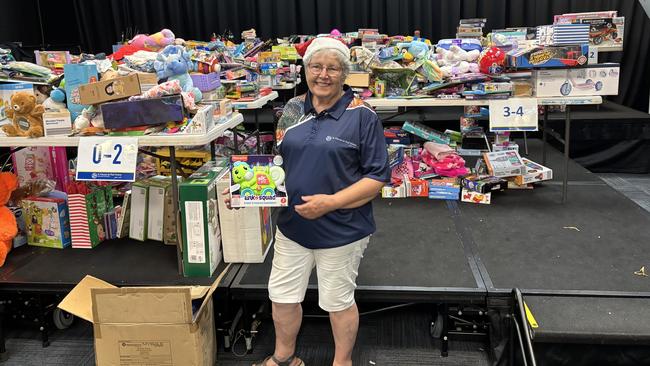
x=6, y=91
x=599, y=79
x=550, y=56
x=257, y=181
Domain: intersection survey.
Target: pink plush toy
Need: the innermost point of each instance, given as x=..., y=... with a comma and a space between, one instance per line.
x=154, y=42
x=443, y=159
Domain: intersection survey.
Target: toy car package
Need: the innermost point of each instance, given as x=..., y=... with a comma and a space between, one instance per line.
x=257, y=181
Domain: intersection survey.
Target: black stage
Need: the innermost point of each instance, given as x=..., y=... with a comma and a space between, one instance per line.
x=123, y=262
x=578, y=255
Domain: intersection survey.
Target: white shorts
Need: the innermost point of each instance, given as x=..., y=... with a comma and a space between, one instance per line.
x=336, y=268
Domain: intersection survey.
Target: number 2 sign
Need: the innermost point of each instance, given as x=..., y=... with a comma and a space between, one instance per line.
x=107, y=158
x=514, y=114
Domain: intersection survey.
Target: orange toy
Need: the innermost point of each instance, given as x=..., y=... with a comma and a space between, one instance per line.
x=8, y=225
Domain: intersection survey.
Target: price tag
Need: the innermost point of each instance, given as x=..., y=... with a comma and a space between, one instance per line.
x=593, y=55
x=107, y=158
x=514, y=114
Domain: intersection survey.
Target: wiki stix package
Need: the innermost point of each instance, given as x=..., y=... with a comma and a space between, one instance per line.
x=257, y=181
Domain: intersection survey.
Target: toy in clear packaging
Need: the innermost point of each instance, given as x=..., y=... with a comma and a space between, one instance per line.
x=257, y=181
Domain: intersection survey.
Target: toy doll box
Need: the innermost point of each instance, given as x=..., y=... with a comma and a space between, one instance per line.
x=48, y=222
x=257, y=181
x=599, y=79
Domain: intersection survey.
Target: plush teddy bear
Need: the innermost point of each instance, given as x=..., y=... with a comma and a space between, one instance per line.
x=26, y=116
x=173, y=63
x=8, y=225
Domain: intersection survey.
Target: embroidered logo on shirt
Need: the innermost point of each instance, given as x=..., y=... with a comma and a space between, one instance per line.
x=330, y=138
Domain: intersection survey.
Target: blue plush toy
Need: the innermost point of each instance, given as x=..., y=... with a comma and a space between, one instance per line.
x=173, y=63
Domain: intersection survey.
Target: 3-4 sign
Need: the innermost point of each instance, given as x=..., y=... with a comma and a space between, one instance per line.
x=107, y=158
x=514, y=114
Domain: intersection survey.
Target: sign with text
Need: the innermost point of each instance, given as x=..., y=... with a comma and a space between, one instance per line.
x=107, y=158
x=514, y=114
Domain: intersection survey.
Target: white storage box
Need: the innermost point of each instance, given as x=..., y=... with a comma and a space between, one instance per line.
x=247, y=233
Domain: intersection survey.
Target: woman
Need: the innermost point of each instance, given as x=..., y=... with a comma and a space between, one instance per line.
x=336, y=162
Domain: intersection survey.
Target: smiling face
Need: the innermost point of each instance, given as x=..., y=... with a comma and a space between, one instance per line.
x=328, y=83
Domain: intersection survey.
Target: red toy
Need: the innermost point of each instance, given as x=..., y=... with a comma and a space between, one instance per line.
x=492, y=61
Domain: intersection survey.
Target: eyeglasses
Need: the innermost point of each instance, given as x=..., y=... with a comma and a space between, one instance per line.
x=316, y=69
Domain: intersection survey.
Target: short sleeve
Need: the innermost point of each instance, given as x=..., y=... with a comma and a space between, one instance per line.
x=374, y=156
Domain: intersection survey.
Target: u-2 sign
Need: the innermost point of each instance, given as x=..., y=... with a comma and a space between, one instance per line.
x=514, y=114
x=107, y=158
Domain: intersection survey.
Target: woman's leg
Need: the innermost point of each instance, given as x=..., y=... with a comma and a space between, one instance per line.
x=337, y=270
x=292, y=266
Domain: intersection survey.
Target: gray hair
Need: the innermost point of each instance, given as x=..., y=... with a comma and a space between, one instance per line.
x=345, y=63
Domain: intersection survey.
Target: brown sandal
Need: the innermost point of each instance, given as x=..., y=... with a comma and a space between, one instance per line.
x=286, y=362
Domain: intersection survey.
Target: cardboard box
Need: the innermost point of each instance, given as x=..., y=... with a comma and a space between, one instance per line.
x=49, y=222
x=143, y=112
x=139, y=205
x=161, y=223
x=202, y=122
x=444, y=189
x=200, y=223
x=504, y=163
x=358, y=79
x=599, y=79
x=57, y=123
x=147, y=80
x=246, y=233
x=550, y=56
x=257, y=181
x=220, y=107
x=6, y=91
x=147, y=325
x=534, y=173
x=475, y=197
x=107, y=90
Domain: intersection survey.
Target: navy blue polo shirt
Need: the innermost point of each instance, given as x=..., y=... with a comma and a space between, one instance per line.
x=323, y=154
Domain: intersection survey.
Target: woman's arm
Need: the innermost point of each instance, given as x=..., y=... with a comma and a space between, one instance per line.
x=356, y=195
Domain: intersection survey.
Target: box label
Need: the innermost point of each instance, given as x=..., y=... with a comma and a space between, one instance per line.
x=140, y=353
x=195, y=232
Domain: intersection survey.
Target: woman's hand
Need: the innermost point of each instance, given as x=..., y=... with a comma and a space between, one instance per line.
x=226, y=198
x=316, y=206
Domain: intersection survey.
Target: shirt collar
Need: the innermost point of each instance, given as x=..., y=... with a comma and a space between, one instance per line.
x=335, y=111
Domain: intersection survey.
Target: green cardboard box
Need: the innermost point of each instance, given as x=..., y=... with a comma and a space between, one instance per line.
x=199, y=218
x=139, y=207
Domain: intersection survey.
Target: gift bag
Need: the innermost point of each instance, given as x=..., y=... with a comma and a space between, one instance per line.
x=87, y=208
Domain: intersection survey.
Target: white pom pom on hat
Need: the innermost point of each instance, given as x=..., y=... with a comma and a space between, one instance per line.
x=327, y=43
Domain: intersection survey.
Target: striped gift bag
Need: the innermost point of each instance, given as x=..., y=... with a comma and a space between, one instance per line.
x=79, y=227
x=87, y=228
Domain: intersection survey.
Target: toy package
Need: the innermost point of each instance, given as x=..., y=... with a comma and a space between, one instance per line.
x=504, y=163
x=600, y=79
x=257, y=181
x=534, y=173
x=605, y=27
x=48, y=222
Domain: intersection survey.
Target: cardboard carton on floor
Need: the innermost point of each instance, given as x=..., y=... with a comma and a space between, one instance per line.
x=171, y=326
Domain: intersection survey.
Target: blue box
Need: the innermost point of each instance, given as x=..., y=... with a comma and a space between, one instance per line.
x=549, y=56
x=142, y=112
x=76, y=75
x=444, y=192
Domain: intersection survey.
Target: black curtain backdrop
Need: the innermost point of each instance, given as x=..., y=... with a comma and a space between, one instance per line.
x=95, y=25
